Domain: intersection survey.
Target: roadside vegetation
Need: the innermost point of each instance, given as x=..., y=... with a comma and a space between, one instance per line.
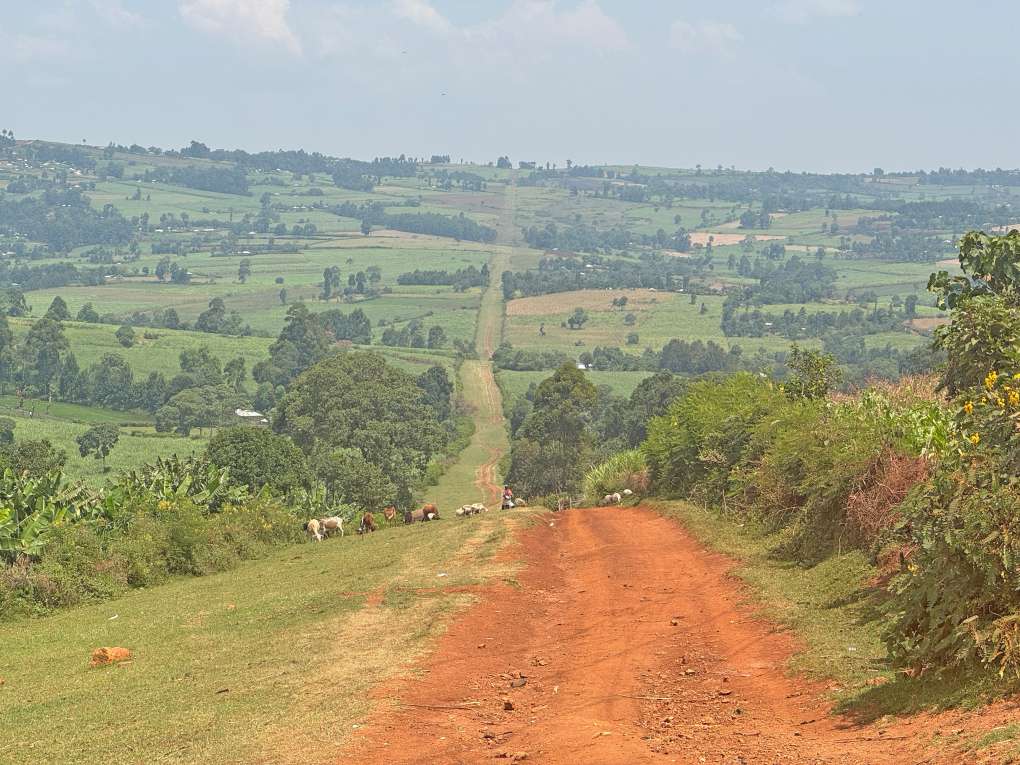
x=881, y=524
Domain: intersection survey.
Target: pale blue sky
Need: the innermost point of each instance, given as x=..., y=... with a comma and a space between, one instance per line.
x=796, y=84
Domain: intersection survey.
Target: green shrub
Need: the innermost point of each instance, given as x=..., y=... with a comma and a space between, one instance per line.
x=626, y=470
x=691, y=449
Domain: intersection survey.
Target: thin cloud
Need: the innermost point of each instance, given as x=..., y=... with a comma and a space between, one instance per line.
x=423, y=14
x=803, y=11
x=242, y=20
x=115, y=14
x=718, y=37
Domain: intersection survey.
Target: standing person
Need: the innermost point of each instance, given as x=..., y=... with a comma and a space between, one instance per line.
x=508, y=499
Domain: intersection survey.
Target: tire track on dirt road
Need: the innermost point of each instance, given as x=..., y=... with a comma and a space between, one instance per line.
x=634, y=646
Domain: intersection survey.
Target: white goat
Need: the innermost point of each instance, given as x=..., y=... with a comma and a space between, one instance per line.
x=332, y=525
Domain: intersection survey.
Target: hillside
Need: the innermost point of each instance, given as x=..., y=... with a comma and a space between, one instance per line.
x=748, y=354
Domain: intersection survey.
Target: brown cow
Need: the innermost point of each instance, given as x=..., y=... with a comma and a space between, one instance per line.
x=411, y=516
x=389, y=513
x=367, y=523
x=430, y=512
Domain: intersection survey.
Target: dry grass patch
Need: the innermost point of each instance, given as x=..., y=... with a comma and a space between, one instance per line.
x=590, y=300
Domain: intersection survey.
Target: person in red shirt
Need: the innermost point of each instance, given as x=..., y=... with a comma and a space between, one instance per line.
x=508, y=499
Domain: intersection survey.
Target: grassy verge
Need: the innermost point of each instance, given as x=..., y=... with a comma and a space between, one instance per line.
x=832, y=609
x=236, y=667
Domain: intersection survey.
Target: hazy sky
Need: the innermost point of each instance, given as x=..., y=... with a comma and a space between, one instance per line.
x=795, y=84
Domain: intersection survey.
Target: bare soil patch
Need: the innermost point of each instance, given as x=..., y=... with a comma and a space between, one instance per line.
x=927, y=324
x=720, y=239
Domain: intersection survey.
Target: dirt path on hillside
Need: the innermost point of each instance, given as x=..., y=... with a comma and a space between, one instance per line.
x=634, y=648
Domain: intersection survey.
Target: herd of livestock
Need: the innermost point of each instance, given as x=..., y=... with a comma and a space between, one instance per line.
x=322, y=528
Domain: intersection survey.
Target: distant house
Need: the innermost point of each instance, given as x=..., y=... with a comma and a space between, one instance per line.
x=251, y=417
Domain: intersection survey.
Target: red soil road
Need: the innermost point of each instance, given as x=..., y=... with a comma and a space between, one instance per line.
x=635, y=647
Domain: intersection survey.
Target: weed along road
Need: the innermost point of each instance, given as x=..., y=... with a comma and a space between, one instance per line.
x=621, y=640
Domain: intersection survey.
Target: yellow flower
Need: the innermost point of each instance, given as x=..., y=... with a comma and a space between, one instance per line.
x=990, y=379
x=1000, y=402
x=969, y=407
x=1016, y=376
x=975, y=438
x=1014, y=398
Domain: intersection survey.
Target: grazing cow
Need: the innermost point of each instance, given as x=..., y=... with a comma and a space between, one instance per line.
x=332, y=525
x=367, y=523
x=389, y=513
x=314, y=530
x=412, y=516
x=430, y=512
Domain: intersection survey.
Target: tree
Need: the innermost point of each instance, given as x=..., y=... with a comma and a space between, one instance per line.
x=438, y=390
x=125, y=335
x=58, y=310
x=6, y=430
x=162, y=269
x=108, y=382
x=366, y=227
x=88, y=313
x=302, y=342
x=98, y=441
x=202, y=407
x=214, y=318
x=910, y=306
x=554, y=441
x=577, y=319
x=41, y=353
x=355, y=400
x=257, y=457
x=33, y=457
x=630, y=320
x=437, y=337
x=814, y=374
x=234, y=371
x=243, y=270
x=633, y=338
x=352, y=479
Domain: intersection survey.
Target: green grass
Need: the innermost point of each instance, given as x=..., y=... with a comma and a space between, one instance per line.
x=138, y=444
x=268, y=662
x=90, y=342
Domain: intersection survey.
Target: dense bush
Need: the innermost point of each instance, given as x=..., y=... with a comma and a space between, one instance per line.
x=89, y=562
x=830, y=472
x=625, y=470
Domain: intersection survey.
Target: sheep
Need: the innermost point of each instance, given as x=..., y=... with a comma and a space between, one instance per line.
x=627, y=493
x=367, y=523
x=314, y=529
x=474, y=509
x=612, y=499
x=332, y=525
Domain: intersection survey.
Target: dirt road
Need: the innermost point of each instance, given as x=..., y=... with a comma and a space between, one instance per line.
x=621, y=641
